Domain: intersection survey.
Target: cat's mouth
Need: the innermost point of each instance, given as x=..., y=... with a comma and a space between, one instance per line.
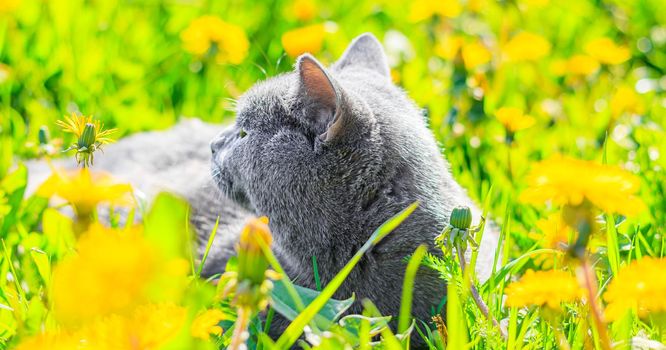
x=228, y=188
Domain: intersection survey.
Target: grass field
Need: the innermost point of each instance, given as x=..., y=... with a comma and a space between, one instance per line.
x=551, y=113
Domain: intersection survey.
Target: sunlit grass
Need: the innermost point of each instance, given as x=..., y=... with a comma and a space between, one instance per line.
x=551, y=113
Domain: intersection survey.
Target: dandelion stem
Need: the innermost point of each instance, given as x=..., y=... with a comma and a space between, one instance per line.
x=475, y=294
x=590, y=283
x=240, y=331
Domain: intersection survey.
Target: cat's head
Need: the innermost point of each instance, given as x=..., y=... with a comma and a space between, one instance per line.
x=309, y=137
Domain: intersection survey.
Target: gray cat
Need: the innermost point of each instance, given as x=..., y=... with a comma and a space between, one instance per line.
x=329, y=155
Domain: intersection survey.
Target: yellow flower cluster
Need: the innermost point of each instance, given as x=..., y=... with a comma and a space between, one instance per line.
x=568, y=181
x=113, y=271
x=210, y=35
x=640, y=286
x=125, y=296
x=597, y=52
x=147, y=327
x=306, y=39
x=543, y=288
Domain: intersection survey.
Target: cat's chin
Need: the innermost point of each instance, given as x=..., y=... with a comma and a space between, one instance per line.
x=229, y=190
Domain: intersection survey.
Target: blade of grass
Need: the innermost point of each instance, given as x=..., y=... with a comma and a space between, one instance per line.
x=479, y=235
x=213, y=233
x=315, y=270
x=408, y=288
x=513, y=328
x=17, y=285
x=455, y=318
x=295, y=329
x=612, y=244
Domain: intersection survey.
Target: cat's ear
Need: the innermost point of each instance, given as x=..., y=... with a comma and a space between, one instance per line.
x=320, y=96
x=365, y=51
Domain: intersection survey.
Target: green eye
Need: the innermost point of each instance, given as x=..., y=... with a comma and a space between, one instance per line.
x=242, y=133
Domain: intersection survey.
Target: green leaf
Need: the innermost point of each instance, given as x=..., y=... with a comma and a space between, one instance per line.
x=353, y=324
x=58, y=232
x=43, y=266
x=284, y=304
x=14, y=187
x=166, y=225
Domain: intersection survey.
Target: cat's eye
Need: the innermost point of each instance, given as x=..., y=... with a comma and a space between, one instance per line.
x=242, y=133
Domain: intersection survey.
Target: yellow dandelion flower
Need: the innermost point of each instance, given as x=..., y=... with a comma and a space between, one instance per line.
x=396, y=77
x=5, y=73
x=51, y=341
x=148, y=327
x=625, y=100
x=576, y=65
x=475, y=54
x=513, y=119
x=606, y=51
x=640, y=286
x=113, y=271
x=7, y=6
x=567, y=181
x=207, y=323
x=421, y=10
x=84, y=190
x=211, y=36
x=76, y=125
x=90, y=135
x=526, y=46
x=554, y=232
x=448, y=46
x=306, y=39
x=304, y=10
x=543, y=288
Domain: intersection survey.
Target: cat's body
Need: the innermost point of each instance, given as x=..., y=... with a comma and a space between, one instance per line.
x=328, y=156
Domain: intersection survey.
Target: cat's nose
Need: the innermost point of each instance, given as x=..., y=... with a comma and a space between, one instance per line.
x=216, y=144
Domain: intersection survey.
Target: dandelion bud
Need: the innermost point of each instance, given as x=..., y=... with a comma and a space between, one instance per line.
x=43, y=135
x=461, y=218
x=252, y=263
x=87, y=137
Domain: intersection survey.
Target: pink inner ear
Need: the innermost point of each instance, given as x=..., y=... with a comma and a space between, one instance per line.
x=316, y=83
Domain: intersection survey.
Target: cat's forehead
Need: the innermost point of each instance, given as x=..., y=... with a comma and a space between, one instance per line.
x=266, y=103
